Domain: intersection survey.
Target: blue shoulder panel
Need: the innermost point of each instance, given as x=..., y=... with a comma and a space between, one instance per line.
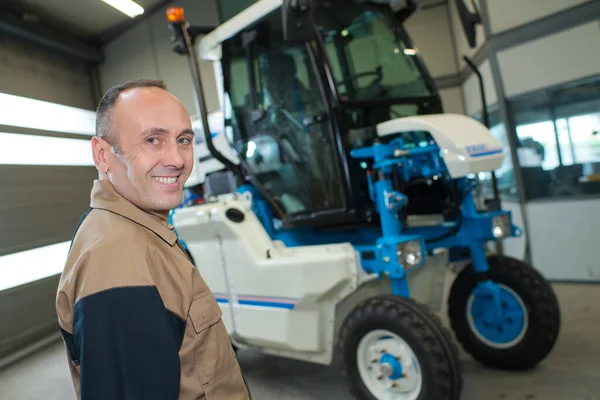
x=127, y=345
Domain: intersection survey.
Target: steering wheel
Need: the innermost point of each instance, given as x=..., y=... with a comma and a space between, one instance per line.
x=378, y=72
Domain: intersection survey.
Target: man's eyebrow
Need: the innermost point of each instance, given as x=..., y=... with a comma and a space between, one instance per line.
x=155, y=131
x=188, y=132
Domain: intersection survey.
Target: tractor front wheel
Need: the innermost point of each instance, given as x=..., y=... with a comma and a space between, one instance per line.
x=394, y=348
x=509, y=321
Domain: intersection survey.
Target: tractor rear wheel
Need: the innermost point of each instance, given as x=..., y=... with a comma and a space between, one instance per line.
x=393, y=347
x=517, y=331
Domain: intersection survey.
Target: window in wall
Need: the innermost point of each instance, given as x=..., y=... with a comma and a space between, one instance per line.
x=18, y=149
x=28, y=149
x=559, y=144
x=36, y=114
x=32, y=265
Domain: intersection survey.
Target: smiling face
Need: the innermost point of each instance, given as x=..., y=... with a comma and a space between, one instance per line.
x=155, y=149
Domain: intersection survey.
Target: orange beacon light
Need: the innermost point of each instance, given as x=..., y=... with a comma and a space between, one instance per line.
x=175, y=14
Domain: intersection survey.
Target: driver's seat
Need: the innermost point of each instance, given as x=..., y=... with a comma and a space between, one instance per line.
x=281, y=84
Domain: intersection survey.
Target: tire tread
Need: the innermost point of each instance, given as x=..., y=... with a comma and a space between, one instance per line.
x=534, y=347
x=436, y=340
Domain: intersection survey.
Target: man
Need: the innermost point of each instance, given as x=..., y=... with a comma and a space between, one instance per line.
x=138, y=320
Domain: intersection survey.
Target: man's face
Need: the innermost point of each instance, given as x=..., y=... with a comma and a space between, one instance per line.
x=155, y=138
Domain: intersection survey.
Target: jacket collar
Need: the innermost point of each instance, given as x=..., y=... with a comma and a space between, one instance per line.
x=105, y=197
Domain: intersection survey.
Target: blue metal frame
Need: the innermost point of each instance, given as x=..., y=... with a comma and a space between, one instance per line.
x=472, y=230
x=378, y=247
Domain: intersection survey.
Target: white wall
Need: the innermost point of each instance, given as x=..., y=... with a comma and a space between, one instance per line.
x=506, y=14
x=146, y=52
x=564, y=242
x=431, y=34
x=461, y=45
x=130, y=56
x=452, y=100
x=567, y=55
x=471, y=93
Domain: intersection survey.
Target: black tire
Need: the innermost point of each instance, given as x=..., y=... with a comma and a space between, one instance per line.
x=543, y=314
x=429, y=340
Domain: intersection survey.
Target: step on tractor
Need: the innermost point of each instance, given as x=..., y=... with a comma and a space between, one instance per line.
x=332, y=193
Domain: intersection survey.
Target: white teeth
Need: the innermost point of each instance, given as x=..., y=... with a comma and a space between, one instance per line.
x=168, y=181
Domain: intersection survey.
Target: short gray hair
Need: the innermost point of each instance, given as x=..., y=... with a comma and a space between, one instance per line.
x=107, y=102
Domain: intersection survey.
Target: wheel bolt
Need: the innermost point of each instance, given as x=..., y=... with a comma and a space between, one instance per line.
x=380, y=377
x=500, y=330
x=509, y=320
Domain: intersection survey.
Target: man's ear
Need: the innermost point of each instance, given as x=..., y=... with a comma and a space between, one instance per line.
x=100, y=151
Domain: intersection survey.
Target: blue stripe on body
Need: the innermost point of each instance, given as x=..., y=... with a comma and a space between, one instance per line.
x=271, y=304
x=485, y=153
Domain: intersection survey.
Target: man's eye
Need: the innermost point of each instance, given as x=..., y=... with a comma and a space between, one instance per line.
x=185, y=141
x=152, y=140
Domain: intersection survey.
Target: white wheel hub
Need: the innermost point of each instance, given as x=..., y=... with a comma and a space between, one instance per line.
x=388, y=366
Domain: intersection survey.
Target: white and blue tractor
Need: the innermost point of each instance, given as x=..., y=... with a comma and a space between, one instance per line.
x=332, y=195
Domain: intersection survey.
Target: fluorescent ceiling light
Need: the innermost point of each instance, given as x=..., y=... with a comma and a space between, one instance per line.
x=410, y=52
x=128, y=7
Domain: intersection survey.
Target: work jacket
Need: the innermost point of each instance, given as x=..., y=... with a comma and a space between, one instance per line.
x=138, y=320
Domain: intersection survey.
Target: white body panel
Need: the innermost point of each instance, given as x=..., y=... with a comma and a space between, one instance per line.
x=281, y=300
x=285, y=301
x=467, y=145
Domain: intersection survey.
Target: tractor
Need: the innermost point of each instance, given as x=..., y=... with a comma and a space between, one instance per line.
x=335, y=194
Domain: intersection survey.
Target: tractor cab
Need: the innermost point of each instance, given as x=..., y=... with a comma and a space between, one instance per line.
x=297, y=108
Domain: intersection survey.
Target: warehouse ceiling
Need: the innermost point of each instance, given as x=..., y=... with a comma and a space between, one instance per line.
x=87, y=19
x=80, y=27
x=83, y=19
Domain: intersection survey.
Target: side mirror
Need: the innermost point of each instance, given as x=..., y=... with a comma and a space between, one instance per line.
x=298, y=20
x=469, y=21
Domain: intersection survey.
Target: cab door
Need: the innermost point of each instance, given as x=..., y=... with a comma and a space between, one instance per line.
x=281, y=123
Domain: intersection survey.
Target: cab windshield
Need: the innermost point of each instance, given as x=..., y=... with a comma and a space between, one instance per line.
x=370, y=56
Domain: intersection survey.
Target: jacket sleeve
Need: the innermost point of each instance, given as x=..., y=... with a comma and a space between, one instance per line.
x=127, y=344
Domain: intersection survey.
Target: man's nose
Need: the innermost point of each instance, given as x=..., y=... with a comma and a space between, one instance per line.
x=173, y=156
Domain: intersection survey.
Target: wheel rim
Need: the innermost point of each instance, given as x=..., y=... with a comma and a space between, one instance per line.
x=503, y=332
x=388, y=366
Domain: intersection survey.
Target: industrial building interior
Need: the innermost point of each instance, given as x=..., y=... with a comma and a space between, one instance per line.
x=539, y=63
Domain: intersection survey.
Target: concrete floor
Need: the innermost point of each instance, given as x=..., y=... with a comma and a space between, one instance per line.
x=572, y=372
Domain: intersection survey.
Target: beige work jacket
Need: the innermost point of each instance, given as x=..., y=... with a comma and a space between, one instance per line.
x=138, y=320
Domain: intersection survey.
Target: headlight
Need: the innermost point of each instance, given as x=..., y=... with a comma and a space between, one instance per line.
x=410, y=254
x=501, y=226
